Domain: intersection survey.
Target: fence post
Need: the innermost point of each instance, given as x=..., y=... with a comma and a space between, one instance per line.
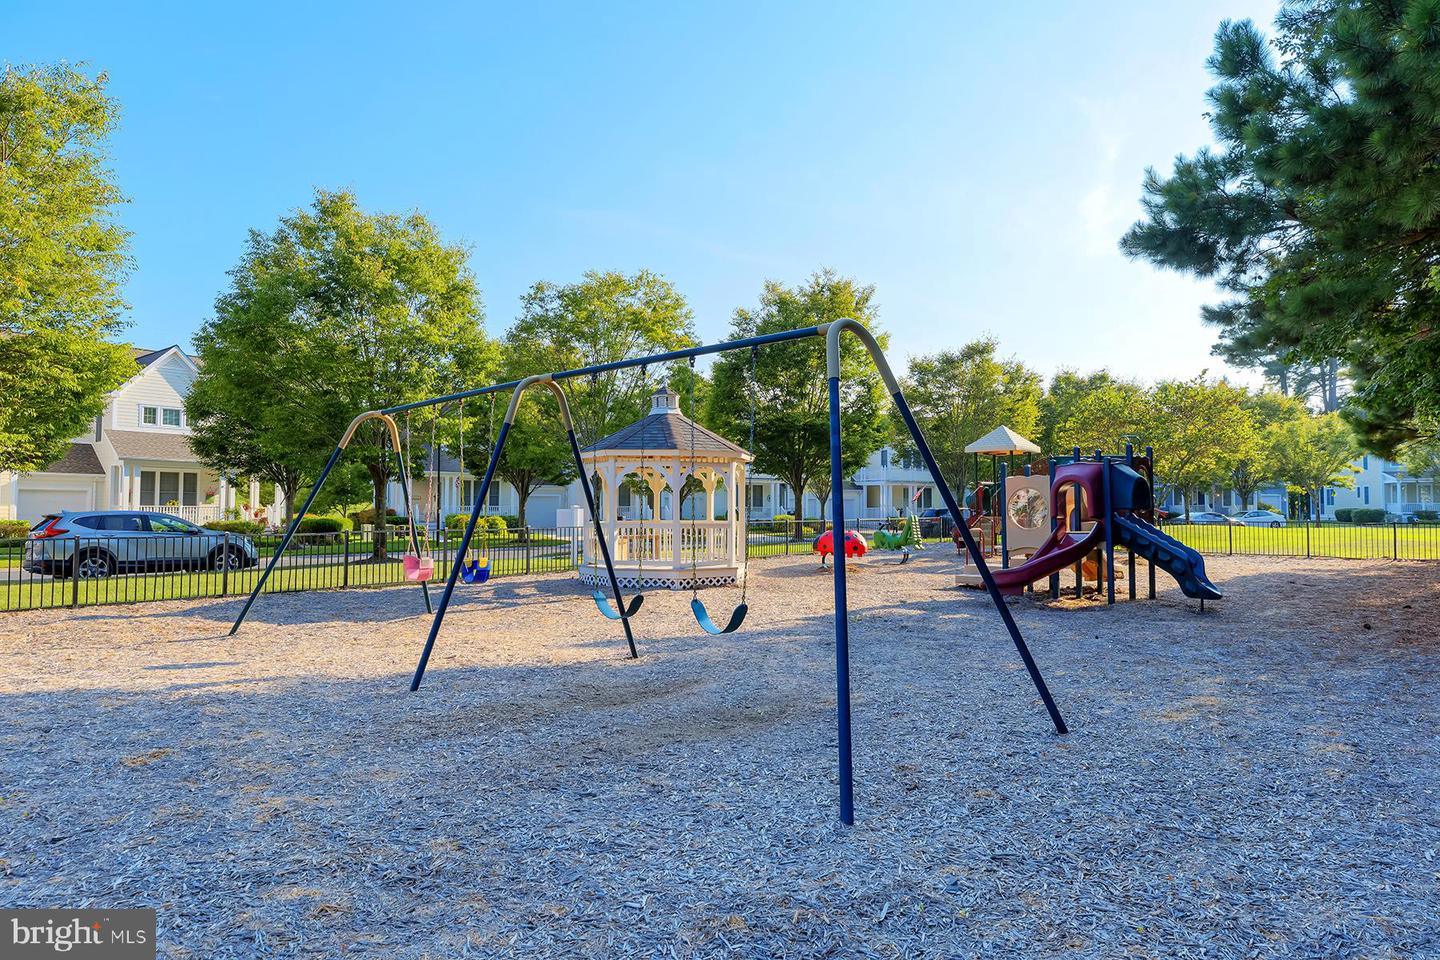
x=1307, y=538
x=75, y=575
x=1395, y=540
x=225, y=566
x=345, y=567
x=526, y=530
x=1230, y=528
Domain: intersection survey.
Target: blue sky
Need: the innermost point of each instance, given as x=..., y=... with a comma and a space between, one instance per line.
x=976, y=163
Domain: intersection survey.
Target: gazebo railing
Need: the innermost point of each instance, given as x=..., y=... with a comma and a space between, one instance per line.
x=706, y=542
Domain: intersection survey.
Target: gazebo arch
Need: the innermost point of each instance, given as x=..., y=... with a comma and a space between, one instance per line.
x=650, y=549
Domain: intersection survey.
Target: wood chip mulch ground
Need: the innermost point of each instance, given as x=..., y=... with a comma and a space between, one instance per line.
x=1259, y=781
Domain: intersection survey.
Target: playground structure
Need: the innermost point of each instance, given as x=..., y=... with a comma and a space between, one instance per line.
x=831, y=333
x=1076, y=517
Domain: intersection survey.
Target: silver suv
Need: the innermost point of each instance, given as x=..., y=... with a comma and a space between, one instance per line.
x=97, y=543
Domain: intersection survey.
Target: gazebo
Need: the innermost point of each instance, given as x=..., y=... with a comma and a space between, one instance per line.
x=667, y=536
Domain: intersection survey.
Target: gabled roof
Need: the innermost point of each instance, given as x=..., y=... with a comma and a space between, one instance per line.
x=1001, y=441
x=146, y=357
x=142, y=445
x=666, y=431
x=79, y=459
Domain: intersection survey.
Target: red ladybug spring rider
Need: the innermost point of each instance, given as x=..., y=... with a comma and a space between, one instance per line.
x=855, y=545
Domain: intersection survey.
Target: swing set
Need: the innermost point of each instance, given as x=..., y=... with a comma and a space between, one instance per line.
x=623, y=612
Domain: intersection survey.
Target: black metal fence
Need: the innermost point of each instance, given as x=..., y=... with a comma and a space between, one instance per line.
x=78, y=571
x=71, y=571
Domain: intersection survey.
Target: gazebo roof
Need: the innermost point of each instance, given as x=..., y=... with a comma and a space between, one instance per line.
x=666, y=428
x=1002, y=441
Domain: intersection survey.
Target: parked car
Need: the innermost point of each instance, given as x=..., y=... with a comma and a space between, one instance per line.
x=935, y=522
x=1207, y=516
x=97, y=543
x=1259, y=518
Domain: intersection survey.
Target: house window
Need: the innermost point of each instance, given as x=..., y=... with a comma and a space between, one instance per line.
x=1330, y=496
x=1365, y=462
x=1365, y=492
x=884, y=458
x=872, y=497
x=150, y=415
x=159, y=488
x=755, y=496
x=492, y=496
x=170, y=417
x=927, y=498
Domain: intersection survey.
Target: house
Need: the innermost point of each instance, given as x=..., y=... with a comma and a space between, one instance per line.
x=1379, y=483
x=137, y=456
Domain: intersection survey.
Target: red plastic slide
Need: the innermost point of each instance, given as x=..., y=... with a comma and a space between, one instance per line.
x=1062, y=550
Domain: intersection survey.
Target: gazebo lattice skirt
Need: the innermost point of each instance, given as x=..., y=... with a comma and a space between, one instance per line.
x=668, y=582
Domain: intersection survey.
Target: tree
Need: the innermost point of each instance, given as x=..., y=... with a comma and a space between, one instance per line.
x=537, y=451
x=604, y=318
x=1255, y=468
x=1317, y=213
x=1057, y=406
x=347, y=488
x=375, y=310
x=792, y=423
x=1312, y=453
x=63, y=259
x=958, y=396
x=1199, y=430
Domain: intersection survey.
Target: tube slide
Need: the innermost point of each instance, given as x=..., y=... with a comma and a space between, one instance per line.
x=1167, y=553
x=1062, y=550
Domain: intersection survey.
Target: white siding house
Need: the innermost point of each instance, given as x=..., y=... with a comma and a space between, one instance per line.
x=137, y=455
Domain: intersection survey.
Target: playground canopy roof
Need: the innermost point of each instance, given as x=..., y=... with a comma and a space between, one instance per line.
x=1002, y=441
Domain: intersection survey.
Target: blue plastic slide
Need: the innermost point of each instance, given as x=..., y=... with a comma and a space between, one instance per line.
x=1167, y=553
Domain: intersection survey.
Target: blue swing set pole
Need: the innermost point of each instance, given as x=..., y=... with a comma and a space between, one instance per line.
x=598, y=368
x=460, y=552
x=842, y=615
x=394, y=431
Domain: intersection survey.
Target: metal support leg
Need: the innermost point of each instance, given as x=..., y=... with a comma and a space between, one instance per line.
x=285, y=540
x=600, y=539
x=842, y=614
x=460, y=552
x=995, y=596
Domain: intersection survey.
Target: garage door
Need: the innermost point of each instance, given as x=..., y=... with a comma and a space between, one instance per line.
x=36, y=503
x=540, y=511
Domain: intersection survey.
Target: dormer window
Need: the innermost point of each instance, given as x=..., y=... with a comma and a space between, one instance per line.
x=170, y=416
x=150, y=416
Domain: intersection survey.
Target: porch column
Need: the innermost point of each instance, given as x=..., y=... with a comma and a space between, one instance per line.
x=734, y=481
x=279, y=503
x=122, y=498
x=254, y=494
x=677, y=528
x=134, y=502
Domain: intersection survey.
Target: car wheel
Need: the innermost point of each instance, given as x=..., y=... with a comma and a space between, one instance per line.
x=1274, y=524
x=232, y=558
x=94, y=565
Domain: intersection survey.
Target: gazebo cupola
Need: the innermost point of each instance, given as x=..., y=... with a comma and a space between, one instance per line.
x=663, y=533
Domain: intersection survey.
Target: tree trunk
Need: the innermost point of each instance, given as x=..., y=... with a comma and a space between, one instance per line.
x=379, y=480
x=1185, y=496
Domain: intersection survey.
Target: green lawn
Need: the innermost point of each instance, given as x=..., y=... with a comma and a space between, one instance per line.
x=1340, y=541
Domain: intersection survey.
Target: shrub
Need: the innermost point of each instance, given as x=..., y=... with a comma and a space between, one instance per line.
x=1427, y=516
x=457, y=521
x=367, y=516
x=14, y=529
x=247, y=528
x=1368, y=515
x=1345, y=515
x=509, y=520
x=322, y=525
x=784, y=518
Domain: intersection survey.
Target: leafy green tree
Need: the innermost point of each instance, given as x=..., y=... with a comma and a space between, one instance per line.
x=1312, y=453
x=375, y=311
x=1199, y=430
x=347, y=490
x=1317, y=213
x=605, y=317
x=1067, y=388
x=792, y=425
x=537, y=451
x=1255, y=467
x=63, y=258
x=958, y=396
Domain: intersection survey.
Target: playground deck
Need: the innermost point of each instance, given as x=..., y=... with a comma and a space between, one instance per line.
x=1258, y=781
